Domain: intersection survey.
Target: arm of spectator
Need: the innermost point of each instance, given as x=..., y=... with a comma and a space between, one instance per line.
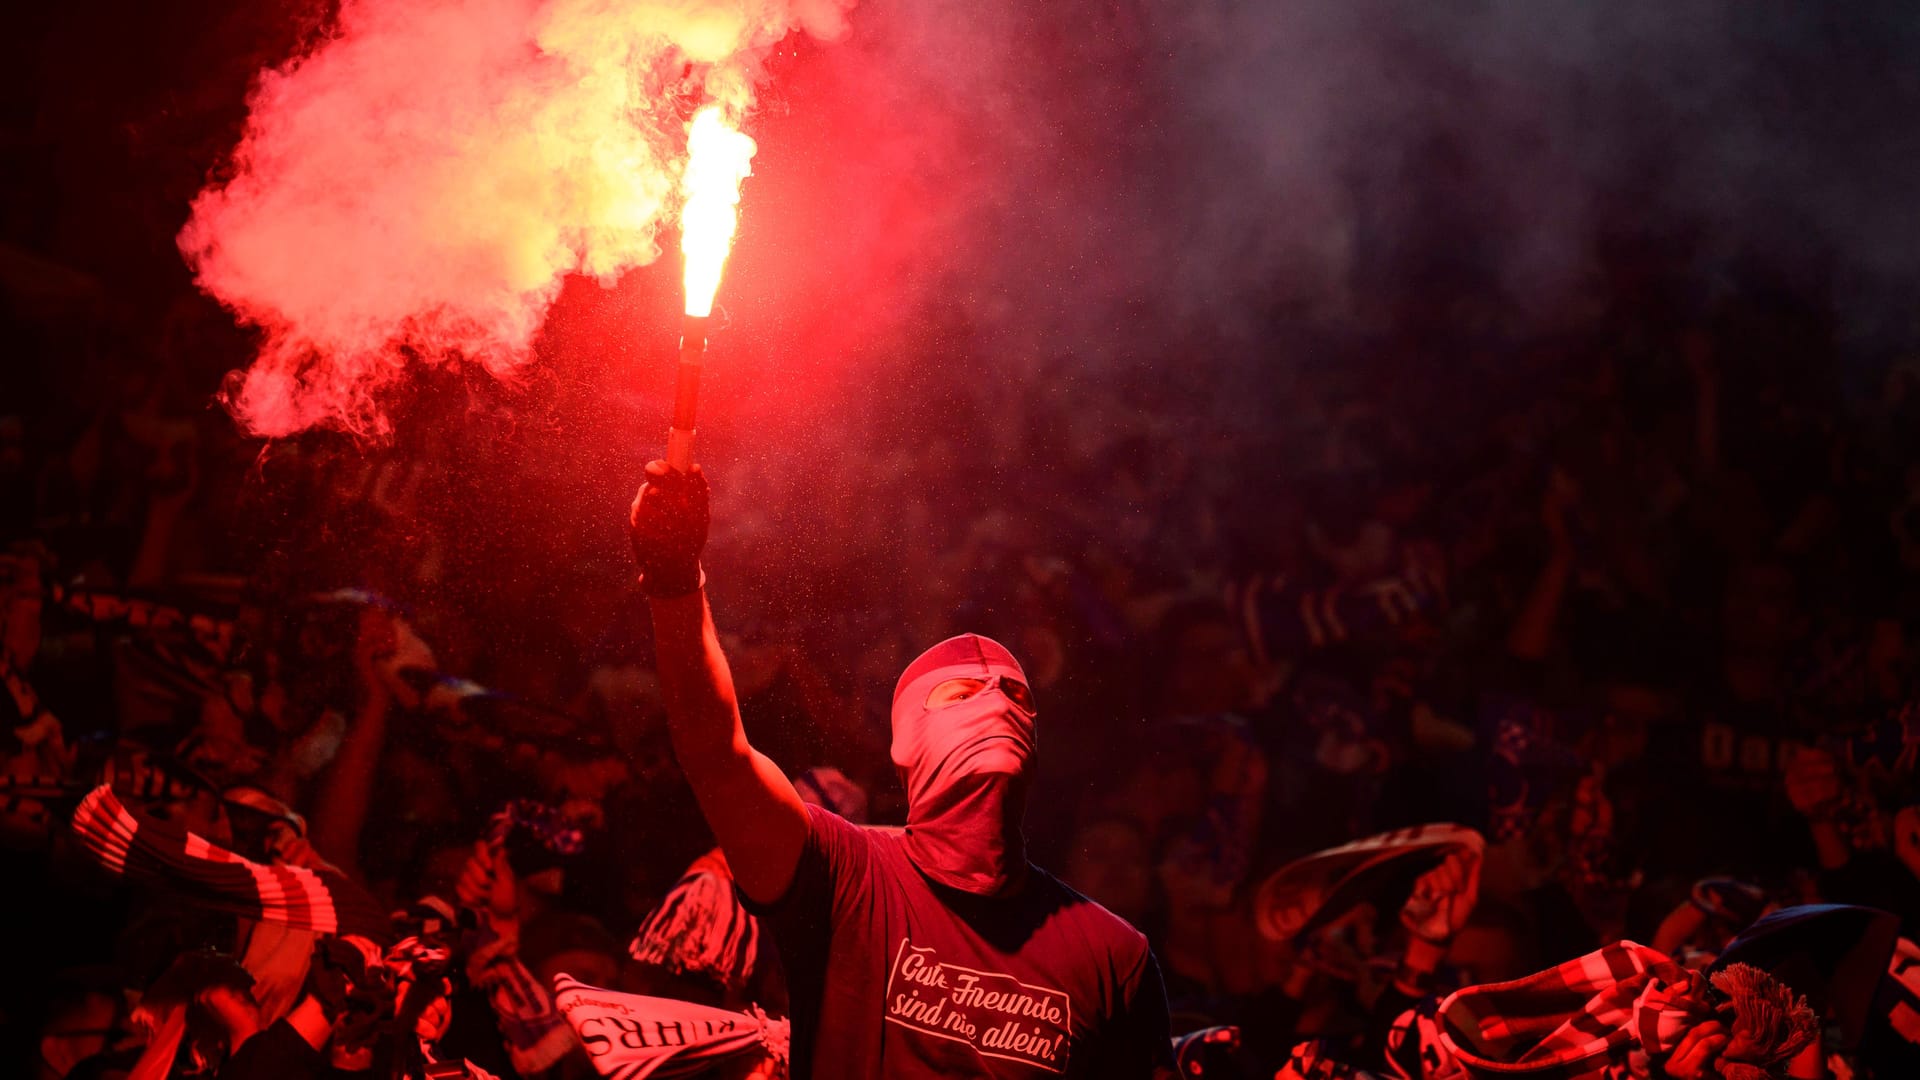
x=165, y=1030
x=749, y=803
x=346, y=790
x=1531, y=635
x=1442, y=901
x=266, y=1057
x=535, y=1035
x=1698, y=1052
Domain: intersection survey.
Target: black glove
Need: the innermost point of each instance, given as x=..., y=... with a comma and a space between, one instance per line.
x=668, y=527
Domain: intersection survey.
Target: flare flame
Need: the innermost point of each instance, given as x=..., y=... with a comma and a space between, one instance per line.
x=415, y=188
x=719, y=157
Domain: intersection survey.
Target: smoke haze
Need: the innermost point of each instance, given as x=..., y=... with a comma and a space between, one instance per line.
x=1098, y=176
x=419, y=184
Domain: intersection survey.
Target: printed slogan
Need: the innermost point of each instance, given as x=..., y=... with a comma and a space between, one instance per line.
x=998, y=1015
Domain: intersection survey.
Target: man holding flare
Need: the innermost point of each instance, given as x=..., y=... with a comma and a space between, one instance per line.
x=932, y=950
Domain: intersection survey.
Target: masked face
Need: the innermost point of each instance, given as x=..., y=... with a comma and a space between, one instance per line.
x=963, y=737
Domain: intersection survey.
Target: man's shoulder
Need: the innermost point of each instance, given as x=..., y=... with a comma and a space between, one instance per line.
x=829, y=829
x=1087, y=917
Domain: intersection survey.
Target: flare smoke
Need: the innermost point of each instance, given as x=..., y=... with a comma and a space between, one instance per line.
x=416, y=187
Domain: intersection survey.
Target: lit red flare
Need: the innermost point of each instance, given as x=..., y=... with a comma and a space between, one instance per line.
x=719, y=157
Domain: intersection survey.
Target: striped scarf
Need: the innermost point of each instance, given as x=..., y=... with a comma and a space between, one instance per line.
x=1619, y=1012
x=214, y=636
x=1310, y=892
x=1414, y=1049
x=1836, y=954
x=1283, y=618
x=143, y=848
x=700, y=930
x=1414, y=1052
x=169, y=653
x=535, y=1036
x=629, y=1037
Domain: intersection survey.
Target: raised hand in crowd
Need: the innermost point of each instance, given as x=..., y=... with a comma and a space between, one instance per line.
x=1443, y=897
x=488, y=887
x=1442, y=900
x=345, y=794
x=748, y=802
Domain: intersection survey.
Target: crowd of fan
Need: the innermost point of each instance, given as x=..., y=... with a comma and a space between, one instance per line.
x=1605, y=636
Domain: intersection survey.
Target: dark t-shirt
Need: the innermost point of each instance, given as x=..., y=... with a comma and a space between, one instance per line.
x=276, y=1053
x=893, y=976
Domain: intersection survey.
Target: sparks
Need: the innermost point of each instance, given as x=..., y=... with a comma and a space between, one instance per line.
x=719, y=157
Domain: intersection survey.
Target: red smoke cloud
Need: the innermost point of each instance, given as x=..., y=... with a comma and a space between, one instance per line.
x=416, y=187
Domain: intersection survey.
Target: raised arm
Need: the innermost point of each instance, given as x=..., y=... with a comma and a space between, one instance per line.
x=748, y=802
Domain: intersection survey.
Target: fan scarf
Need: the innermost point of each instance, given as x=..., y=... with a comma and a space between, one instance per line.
x=700, y=930
x=629, y=1037
x=170, y=652
x=1281, y=618
x=1614, y=1014
x=535, y=1036
x=1310, y=892
x=143, y=848
x=213, y=635
x=1620, y=1011
x=1413, y=1052
x=1414, y=1049
x=1836, y=954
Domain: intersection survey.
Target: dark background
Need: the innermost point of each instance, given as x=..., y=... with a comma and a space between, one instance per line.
x=1066, y=322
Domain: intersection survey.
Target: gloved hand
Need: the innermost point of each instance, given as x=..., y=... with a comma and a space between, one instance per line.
x=668, y=527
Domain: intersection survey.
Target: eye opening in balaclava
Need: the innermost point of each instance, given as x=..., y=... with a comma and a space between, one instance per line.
x=953, y=691
x=965, y=762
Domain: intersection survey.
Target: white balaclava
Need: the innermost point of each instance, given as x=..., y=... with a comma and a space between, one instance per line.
x=966, y=765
